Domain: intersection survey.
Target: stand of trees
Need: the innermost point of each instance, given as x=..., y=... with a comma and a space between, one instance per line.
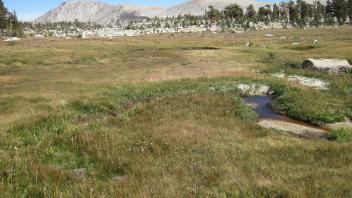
x=297, y=13
x=9, y=24
x=62, y=26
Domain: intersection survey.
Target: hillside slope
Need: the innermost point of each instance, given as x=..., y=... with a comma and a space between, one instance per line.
x=97, y=12
x=89, y=11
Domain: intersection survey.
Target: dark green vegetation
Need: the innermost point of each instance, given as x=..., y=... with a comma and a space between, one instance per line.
x=86, y=119
x=9, y=25
x=341, y=135
x=295, y=13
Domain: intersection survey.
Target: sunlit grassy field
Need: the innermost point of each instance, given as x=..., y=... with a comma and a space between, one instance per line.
x=160, y=116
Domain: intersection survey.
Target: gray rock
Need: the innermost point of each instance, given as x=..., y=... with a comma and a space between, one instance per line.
x=12, y=39
x=269, y=35
x=255, y=89
x=309, y=82
x=301, y=130
x=335, y=66
x=79, y=173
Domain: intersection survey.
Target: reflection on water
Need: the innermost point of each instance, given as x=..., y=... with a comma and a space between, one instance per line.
x=261, y=105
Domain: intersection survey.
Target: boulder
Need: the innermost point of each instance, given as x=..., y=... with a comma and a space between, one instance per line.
x=335, y=66
x=13, y=39
x=38, y=36
x=255, y=89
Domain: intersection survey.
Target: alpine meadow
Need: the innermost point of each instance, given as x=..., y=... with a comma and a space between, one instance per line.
x=206, y=98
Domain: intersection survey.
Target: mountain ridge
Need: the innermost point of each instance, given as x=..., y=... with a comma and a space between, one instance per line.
x=103, y=13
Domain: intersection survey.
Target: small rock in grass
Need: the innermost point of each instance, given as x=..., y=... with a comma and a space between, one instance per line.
x=255, y=89
x=309, y=82
x=13, y=39
x=279, y=75
x=212, y=89
x=79, y=173
x=269, y=35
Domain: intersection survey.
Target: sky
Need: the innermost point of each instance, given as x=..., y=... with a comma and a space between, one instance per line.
x=30, y=9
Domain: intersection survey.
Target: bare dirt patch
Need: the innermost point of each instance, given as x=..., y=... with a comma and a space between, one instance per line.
x=4, y=79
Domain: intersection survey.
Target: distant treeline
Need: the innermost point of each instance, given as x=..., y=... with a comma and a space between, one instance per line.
x=296, y=14
x=9, y=24
x=61, y=26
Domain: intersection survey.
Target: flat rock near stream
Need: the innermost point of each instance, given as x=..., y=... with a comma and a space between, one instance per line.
x=340, y=125
x=303, y=131
x=306, y=81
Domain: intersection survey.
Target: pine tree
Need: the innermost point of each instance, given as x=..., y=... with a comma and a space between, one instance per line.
x=349, y=9
x=233, y=12
x=250, y=13
x=302, y=9
x=329, y=8
x=9, y=24
x=318, y=13
x=264, y=14
x=3, y=12
x=339, y=10
x=213, y=14
x=292, y=13
x=16, y=25
x=276, y=13
x=284, y=13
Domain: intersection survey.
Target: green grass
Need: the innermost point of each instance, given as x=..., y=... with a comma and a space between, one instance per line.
x=313, y=106
x=192, y=135
x=341, y=135
x=304, y=47
x=162, y=117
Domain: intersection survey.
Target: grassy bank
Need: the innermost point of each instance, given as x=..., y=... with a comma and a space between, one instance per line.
x=171, y=138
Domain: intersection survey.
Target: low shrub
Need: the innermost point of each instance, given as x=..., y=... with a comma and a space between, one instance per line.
x=281, y=62
x=350, y=61
x=85, y=60
x=304, y=48
x=341, y=135
x=244, y=112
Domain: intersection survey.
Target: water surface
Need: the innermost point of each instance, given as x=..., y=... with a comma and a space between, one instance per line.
x=260, y=104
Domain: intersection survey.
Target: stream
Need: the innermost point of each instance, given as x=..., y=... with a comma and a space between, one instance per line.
x=270, y=119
